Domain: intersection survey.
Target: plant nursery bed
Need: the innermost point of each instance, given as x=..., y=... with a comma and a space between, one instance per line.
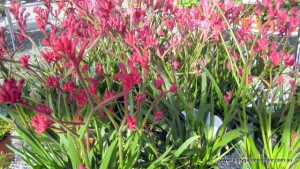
x=158, y=84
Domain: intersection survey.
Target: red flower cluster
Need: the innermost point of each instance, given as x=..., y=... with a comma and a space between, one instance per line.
x=131, y=122
x=92, y=87
x=81, y=98
x=18, y=13
x=173, y=88
x=286, y=22
x=128, y=79
x=40, y=122
x=139, y=98
x=228, y=97
x=108, y=95
x=50, y=55
x=10, y=92
x=70, y=87
x=99, y=69
x=158, y=115
x=41, y=17
x=43, y=108
x=52, y=81
x=24, y=61
x=159, y=82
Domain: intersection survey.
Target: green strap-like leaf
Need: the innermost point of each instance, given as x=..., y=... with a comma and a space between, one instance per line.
x=160, y=159
x=108, y=154
x=185, y=145
x=228, y=137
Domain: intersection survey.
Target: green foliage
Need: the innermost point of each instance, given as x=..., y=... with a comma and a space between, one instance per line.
x=5, y=159
x=189, y=3
x=2, y=11
x=5, y=128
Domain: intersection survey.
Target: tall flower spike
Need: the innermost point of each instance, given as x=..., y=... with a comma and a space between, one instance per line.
x=10, y=92
x=18, y=13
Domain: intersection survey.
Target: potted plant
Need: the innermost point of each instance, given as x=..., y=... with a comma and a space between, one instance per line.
x=5, y=159
x=5, y=130
x=6, y=155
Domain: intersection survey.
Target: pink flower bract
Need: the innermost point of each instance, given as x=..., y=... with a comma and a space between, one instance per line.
x=128, y=79
x=228, y=96
x=139, y=98
x=158, y=115
x=159, y=82
x=52, y=81
x=10, y=92
x=40, y=122
x=24, y=61
x=131, y=122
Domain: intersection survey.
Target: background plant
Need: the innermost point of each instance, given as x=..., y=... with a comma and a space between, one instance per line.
x=5, y=159
x=5, y=128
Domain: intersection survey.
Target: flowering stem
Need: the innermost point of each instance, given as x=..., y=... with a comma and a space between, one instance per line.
x=121, y=128
x=230, y=59
x=231, y=31
x=85, y=154
x=110, y=117
x=87, y=141
x=71, y=123
x=98, y=107
x=83, y=84
x=39, y=52
x=120, y=148
x=59, y=129
x=151, y=107
x=37, y=75
x=256, y=37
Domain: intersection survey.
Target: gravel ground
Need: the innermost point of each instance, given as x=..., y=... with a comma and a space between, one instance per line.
x=18, y=162
x=27, y=48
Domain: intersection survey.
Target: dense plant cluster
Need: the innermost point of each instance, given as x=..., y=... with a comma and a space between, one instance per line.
x=138, y=87
x=5, y=129
x=5, y=159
